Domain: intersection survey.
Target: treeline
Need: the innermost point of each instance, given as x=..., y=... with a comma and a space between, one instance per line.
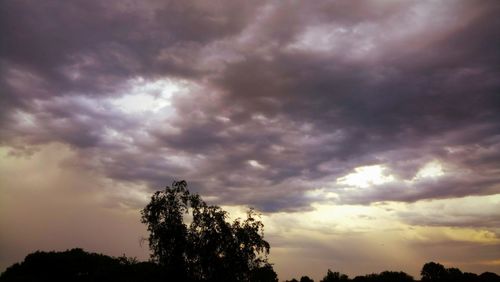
x=431, y=272
x=78, y=265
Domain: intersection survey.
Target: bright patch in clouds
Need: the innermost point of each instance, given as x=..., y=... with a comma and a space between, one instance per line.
x=432, y=169
x=365, y=176
x=146, y=95
x=255, y=164
x=321, y=38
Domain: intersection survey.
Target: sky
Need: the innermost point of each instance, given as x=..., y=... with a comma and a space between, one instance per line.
x=367, y=133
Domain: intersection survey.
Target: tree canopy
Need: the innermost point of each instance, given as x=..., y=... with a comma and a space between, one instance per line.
x=195, y=242
x=334, y=277
x=78, y=265
x=436, y=272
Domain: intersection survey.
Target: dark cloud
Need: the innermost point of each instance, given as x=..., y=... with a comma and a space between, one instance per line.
x=454, y=220
x=280, y=98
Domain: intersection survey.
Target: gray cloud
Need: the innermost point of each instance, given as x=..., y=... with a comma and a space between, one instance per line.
x=305, y=92
x=461, y=213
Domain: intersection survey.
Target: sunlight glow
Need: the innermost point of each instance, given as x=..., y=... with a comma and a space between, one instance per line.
x=256, y=164
x=321, y=38
x=365, y=176
x=430, y=170
x=145, y=95
x=24, y=119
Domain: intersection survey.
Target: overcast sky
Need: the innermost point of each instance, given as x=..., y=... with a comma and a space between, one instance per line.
x=366, y=132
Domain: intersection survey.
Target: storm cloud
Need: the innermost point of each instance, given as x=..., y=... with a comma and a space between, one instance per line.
x=304, y=92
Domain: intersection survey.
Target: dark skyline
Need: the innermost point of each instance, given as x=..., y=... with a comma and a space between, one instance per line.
x=367, y=133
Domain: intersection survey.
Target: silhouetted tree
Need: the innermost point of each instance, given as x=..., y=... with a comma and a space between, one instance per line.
x=436, y=272
x=265, y=273
x=334, y=277
x=455, y=275
x=393, y=276
x=210, y=248
x=433, y=272
x=385, y=276
x=366, y=278
x=306, y=279
x=78, y=265
x=489, y=277
x=470, y=277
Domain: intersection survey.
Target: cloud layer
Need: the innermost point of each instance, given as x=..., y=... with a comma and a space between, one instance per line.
x=307, y=91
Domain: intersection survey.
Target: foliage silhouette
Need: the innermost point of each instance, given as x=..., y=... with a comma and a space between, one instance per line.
x=334, y=277
x=385, y=276
x=306, y=279
x=264, y=274
x=435, y=272
x=78, y=265
x=210, y=248
x=489, y=276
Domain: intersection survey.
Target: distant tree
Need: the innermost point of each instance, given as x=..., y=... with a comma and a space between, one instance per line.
x=265, y=273
x=210, y=248
x=78, y=265
x=385, y=276
x=433, y=272
x=455, y=275
x=470, y=277
x=367, y=278
x=334, y=277
x=306, y=279
x=393, y=276
x=436, y=272
x=489, y=277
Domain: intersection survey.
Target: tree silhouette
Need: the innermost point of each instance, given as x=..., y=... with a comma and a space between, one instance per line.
x=306, y=279
x=210, y=248
x=81, y=266
x=436, y=272
x=385, y=276
x=334, y=277
x=265, y=273
x=433, y=272
x=78, y=265
x=394, y=276
x=489, y=276
x=455, y=275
